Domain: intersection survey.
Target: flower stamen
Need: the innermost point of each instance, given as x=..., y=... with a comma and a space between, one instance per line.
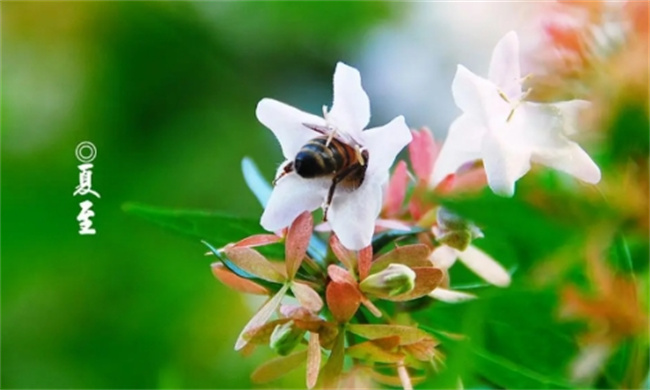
x=503, y=96
x=330, y=137
x=526, y=78
x=360, y=158
x=516, y=105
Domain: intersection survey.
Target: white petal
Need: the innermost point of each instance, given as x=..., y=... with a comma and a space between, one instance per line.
x=571, y=111
x=570, y=158
x=450, y=296
x=546, y=127
x=350, y=111
x=392, y=224
x=384, y=143
x=291, y=196
x=590, y=361
x=353, y=213
x=484, y=266
x=504, y=66
x=462, y=145
x=504, y=163
x=286, y=123
x=477, y=96
x=443, y=257
x=323, y=227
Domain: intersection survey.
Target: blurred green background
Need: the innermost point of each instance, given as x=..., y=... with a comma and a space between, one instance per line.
x=167, y=93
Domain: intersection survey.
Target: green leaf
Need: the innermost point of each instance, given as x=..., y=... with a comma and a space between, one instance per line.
x=217, y=228
x=530, y=233
x=332, y=370
x=498, y=370
x=379, y=241
x=512, y=338
x=628, y=366
x=278, y=367
x=261, y=317
x=621, y=254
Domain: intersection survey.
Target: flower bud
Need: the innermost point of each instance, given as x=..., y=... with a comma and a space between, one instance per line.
x=456, y=239
x=450, y=221
x=454, y=231
x=397, y=279
x=285, y=337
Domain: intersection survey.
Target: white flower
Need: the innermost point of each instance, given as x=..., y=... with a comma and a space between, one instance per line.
x=476, y=260
x=505, y=131
x=353, y=212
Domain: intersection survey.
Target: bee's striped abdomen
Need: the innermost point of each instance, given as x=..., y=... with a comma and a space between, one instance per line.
x=316, y=159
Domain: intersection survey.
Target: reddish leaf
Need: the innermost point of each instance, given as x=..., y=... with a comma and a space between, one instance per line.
x=297, y=242
x=426, y=279
x=416, y=255
x=262, y=334
x=258, y=240
x=424, y=350
x=447, y=184
x=423, y=151
x=345, y=256
x=396, y=191
x=276, y=368
x=343, y=300
x=308, y=298
x=365, y=260
x=236, y=282
x=371, y=351
x=417, y=207
x=393, y=381
x=253, y=262
x=313, y=360
x=407, y=334
x=387, y=343
x=470, y=181
x=328, y=332
x=261, y=316
x=298, y=312
x=340, y=275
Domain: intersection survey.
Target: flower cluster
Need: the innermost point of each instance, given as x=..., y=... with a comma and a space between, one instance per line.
x=389, y=240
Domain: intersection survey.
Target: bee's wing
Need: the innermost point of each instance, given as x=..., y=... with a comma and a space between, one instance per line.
x=326, y=131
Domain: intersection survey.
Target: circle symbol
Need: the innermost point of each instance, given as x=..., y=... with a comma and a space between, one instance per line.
x=85, y=151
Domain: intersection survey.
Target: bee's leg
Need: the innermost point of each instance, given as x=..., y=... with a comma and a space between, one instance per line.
x=339, y=177
x=287, y=169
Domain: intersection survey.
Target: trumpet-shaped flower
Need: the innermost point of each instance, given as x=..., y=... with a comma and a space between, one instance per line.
x=353, y=211
x=507, y=132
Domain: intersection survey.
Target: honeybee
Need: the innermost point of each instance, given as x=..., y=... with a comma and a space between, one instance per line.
x=325, y=156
